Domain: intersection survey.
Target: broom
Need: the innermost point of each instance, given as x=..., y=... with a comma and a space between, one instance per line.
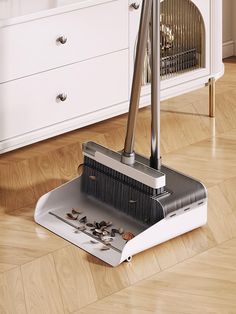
x=117, y=179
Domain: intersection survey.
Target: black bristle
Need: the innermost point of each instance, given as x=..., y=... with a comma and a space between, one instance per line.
x=90, y=163
x=122, y=192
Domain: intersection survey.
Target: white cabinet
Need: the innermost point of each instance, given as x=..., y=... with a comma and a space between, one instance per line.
x=210, y=16
x=59, y=67
x=68, y=63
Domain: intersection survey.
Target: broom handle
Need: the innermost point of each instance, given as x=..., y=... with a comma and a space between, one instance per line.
x=155, y=160
x=128, y=156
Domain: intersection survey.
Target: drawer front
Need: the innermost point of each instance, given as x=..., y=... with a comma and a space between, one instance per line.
x=31, y=103
x=51, y=42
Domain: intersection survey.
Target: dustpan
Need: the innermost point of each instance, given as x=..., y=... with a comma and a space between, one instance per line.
x=182, y=206
x=51, y=213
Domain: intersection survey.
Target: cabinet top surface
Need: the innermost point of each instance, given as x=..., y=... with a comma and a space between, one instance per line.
x=13, y=11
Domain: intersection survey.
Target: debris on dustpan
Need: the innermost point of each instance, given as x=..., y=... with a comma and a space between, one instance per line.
x=101, y=231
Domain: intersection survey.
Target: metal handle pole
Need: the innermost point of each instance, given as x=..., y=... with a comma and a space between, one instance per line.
x=128, y=154
x=155, y=160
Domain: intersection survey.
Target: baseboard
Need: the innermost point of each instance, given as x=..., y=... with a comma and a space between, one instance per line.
x=228, y=49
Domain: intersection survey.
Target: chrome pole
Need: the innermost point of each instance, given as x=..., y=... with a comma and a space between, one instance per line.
x=155, y=160
x=128, y=156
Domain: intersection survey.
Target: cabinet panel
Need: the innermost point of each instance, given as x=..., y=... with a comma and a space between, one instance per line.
x=47, y=43
x=31, y=103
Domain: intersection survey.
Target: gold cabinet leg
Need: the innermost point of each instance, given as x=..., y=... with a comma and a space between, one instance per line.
x=212, y=97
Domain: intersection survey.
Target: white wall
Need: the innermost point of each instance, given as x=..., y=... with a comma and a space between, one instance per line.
x=227, y=20
x=234, y=24
x=229, y=28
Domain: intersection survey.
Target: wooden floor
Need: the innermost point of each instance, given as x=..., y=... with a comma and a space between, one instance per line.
x=194, y=273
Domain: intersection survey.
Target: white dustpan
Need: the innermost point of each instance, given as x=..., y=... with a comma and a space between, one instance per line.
x=51, y=213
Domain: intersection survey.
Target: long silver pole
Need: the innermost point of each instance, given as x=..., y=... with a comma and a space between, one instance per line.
x=128, y=154
x=155, y=160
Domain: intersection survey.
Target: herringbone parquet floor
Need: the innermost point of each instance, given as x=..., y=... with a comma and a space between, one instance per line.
x=194, y=273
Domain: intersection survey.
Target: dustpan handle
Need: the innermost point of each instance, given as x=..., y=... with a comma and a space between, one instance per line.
x=128, y=156
x=155, y=159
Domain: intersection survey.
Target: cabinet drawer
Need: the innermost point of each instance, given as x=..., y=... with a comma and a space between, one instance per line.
x=34, y=46
x=31, y=103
